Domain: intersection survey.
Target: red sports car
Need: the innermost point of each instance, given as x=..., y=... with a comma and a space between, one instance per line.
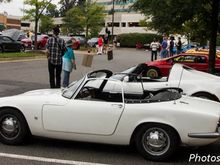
x=161, y=68
x=41, y=41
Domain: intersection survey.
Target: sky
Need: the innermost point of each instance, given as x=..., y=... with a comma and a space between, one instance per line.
x=14, y=7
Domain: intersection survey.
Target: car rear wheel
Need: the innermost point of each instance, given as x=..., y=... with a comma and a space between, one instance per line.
x=13, y=127
x=1, y=49
x=153, y=72
x=156, y=142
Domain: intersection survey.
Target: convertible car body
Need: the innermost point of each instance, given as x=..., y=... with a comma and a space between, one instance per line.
x=99, y=109
x=191, y=81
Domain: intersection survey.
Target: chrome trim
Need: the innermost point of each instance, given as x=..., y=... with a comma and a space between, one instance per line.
x=205, y=135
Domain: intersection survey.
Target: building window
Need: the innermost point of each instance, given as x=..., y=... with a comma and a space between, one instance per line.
x=123, y=24
x=25, y=24
x=116, y=24
x=133, y=24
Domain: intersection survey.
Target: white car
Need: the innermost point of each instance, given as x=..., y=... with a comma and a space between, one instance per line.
x=93, y=110
x=193, y=82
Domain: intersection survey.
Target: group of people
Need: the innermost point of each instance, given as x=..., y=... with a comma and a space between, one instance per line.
x=166, y=48
x=61, y=59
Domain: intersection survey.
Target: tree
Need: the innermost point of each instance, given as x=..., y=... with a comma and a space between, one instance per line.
x=175, y=16
x=35, y=13
x=47, y=23
x=5, y=1
x=66, y=5
x=88, y=17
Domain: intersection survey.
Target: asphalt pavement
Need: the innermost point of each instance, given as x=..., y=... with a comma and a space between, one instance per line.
x=21, y=76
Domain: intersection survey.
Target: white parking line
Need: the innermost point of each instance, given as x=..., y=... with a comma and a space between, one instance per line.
x=49, y=160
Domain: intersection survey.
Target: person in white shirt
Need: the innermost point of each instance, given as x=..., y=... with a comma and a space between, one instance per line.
x=154, y=46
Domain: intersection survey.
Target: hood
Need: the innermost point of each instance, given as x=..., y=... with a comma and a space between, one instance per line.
x=43, y=92
x=13, y=33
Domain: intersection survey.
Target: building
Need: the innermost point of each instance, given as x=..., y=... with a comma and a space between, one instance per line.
x=125, y=20
x=9, y=22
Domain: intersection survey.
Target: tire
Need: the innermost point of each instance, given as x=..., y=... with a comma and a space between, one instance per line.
x=1, y=49
x=206, y=96
x=13, y=127
x=22, y=49
x=156, y=142
x=153, y=72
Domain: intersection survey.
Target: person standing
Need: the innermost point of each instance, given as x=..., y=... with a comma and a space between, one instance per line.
x=68, y=63
x=164, y=52
x=154, y=46
x=55, y=47
x=100, y=45
x=179, y=46
x=171, y=47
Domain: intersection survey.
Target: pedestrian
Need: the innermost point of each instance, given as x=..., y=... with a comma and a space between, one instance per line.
x=164, y=51
x=55, y=50
x=179, y=46
x=171, y=47
x=154, y=46
x=100, y=45
x=68, y=63
x=105, y=43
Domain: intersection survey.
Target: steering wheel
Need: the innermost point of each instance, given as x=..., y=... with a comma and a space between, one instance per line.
x=85, y=92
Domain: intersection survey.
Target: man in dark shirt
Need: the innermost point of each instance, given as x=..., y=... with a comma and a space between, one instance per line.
x=55, y=47
x=179, y=46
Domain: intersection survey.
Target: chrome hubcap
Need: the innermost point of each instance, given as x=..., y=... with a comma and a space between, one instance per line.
x=9, y=127
x=156, y=141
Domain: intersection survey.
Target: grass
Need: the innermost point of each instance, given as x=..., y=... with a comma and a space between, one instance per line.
x=21, y=55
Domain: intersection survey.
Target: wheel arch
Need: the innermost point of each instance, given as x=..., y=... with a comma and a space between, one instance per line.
x=19, y=111
x=132, y=139
x=206, y=93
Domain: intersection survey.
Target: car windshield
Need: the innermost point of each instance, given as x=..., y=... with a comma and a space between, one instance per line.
x=72, y=88
x=119, y=76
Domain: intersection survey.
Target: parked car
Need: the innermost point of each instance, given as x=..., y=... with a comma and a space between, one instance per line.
x=191, y=81
x=9, y=42
x=27, y=42
x=76, y=42
x=81, y=39
x=93, y=42
x=161, y=67
x=156, y=122
x=41, y=41
x=202, y=51
x=19, y=36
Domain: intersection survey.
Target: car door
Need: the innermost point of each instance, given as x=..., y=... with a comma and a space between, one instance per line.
x=9, y=44
x=86, y=114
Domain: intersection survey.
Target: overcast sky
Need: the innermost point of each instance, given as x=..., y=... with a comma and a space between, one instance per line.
x=14, y=7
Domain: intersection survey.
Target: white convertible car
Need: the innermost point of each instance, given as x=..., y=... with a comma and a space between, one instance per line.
x=193, y=82
x=94, y=110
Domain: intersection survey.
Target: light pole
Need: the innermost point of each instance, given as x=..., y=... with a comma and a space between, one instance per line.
x=113, y=14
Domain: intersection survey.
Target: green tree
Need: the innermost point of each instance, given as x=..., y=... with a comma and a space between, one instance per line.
x=47, y=23
x=89, y=18
x=5, y=1
x=35, y=13
x=200, y=17
x=66, y=5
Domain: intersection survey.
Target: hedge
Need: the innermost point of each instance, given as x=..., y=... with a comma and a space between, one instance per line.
x=131, y=39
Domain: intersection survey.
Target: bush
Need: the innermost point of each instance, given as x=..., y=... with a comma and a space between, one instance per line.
x=131, y=39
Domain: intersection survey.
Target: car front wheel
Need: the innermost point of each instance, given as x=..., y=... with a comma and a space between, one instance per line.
x=22, y=48
x=156, y=142
x=13, y=127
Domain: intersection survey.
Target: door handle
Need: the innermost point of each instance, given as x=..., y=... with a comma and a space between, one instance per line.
x=117, y=105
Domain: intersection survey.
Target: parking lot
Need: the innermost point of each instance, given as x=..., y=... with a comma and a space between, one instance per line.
x=21, y=76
